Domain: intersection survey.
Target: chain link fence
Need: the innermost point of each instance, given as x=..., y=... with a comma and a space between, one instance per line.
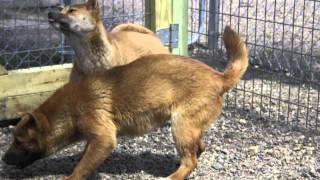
x=283, y=37
x=27, y=40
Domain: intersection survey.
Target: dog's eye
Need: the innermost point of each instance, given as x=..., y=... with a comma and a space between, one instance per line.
x=71, y=10
x=59, y=7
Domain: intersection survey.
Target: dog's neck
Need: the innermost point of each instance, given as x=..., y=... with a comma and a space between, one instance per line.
x=93, y=50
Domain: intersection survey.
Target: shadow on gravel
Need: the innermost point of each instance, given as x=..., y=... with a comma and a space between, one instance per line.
x=273, y=126
x=117, y=163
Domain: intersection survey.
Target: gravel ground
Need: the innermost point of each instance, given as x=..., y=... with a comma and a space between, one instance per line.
x=242, y=144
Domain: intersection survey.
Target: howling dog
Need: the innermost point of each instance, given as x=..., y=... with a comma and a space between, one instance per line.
x=131, y=100
x=95, y=48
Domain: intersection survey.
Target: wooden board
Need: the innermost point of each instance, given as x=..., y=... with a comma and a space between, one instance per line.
x=33, y=80
x=161, y=13
x=10, y=106
x=23, y=90
x=3, y=71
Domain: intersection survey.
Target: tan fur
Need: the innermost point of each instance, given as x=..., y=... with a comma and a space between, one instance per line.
x=132, y=27
x=135, y=98
x=98, y=50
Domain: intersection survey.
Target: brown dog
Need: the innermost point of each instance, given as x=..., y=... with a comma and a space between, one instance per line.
x=131, y=100
x=95, y=48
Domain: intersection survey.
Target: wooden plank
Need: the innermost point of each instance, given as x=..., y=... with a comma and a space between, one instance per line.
x=10, y=106
x=24, y=90
x=163, y=13
x=180, y=16
x=33, y=80
x=3, y=71
x=158, y=14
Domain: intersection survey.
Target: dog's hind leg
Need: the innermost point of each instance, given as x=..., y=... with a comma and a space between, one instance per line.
x=189, y=145
x=187, y=129
x=202, y=147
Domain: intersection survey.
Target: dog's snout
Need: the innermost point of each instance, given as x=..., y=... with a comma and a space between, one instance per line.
x=50, y=15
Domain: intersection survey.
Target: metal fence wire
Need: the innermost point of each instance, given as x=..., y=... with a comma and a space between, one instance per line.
x=283, y=37
x=27, y=40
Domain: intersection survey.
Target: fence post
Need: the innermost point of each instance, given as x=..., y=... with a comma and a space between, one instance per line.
x=168, y=18
x=180, y=17
x=150, y=9
x=213, y=24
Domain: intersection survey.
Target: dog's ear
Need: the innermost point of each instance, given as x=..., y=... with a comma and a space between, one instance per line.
x=93, y=5
x=34, y=120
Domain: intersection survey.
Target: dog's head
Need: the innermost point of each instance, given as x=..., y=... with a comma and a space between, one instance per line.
x=78, y=18
x=28, y=145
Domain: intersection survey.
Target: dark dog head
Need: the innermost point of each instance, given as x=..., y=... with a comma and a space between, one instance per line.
x=78, y=18
x=28, y=145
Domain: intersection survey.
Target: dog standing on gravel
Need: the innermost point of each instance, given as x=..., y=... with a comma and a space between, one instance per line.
x=95, y=48
x=131, y=100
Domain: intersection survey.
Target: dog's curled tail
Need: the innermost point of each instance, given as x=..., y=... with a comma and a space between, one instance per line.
x=133, y=27
x=238, y=58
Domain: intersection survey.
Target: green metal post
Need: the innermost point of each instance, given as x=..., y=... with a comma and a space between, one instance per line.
x=180, y=16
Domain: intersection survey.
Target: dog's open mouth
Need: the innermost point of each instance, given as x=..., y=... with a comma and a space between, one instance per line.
x=51, y=20
x=58, y=23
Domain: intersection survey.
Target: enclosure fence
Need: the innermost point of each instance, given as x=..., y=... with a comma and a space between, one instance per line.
x=283, y=37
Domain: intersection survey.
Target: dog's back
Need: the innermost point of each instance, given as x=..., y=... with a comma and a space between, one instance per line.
x=132, y=28
x=130, y=45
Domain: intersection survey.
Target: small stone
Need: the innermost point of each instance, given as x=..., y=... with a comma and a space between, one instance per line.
x=254, y=150
x=242, y=121
x=217, y=166
x=269, y=151
x=305, y=174
x=313, y=172
x=297, y=148
x=224, y=151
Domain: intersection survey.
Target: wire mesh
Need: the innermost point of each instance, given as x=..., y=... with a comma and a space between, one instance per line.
x=27, y=40
x=283, y=37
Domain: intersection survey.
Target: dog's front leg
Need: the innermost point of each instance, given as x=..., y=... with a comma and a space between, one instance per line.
x=97, y=149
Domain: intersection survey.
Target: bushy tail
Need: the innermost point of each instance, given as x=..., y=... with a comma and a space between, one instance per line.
x=238, y=58
x=133, y=27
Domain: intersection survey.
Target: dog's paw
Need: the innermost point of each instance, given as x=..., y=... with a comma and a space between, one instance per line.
x=164, y=178
x=69, y=178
